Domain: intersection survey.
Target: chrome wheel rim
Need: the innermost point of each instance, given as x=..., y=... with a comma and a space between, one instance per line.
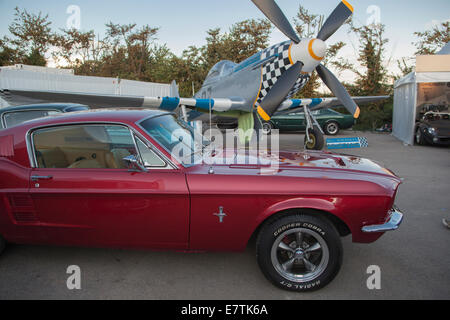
x=300, y=255
x=418, y=136
x=332, y=128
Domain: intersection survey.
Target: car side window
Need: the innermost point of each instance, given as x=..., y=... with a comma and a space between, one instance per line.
x=83, y=146
x=14, y=118
x=149, y=157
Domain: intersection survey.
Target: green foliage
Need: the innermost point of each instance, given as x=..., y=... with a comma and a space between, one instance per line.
x=373, y=116
x=430, y=41
x=7, y=55
x=406, y=66
x=31, y=38
x=371, y=75
x=35, y=58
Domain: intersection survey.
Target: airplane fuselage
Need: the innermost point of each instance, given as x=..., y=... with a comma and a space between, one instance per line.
x=248, y=81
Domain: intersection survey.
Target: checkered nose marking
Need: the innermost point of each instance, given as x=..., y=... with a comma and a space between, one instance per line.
x=273, y=70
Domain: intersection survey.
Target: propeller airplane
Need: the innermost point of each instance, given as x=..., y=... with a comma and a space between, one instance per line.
x=252, y=91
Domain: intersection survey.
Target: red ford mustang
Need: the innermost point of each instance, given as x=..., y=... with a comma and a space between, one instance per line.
x=109, y=178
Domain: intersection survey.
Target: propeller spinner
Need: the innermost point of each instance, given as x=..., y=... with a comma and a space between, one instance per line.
x=305, y=55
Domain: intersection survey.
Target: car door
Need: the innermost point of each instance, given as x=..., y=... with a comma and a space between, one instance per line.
x=85, y=195
x=291, y=121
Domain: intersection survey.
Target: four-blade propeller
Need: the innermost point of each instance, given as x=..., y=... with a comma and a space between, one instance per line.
x=306, y=55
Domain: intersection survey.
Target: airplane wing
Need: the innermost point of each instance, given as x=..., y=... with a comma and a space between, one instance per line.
x=291, y=105
x=16, y=97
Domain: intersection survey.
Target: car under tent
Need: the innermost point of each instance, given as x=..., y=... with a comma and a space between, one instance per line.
x=426, y=88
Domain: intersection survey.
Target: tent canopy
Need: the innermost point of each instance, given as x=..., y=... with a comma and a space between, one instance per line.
x=405, y=102
x=422, y=77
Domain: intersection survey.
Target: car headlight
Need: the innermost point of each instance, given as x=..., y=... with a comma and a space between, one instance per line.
x=431, y=131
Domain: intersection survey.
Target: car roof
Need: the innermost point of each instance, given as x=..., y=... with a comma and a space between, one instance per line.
x=56, y=106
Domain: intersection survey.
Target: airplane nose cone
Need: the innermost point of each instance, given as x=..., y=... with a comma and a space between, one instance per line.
x=310, y=52
x=317, y=49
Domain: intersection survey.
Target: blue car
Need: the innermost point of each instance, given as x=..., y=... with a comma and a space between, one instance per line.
x=11, y=116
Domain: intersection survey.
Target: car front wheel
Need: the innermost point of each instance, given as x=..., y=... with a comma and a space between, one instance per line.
x=299, y=252
x=419, y=137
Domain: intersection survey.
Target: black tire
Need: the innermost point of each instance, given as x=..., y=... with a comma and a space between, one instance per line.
x=331, y=128
x=324, y=262
x=2, y=244
x=418, y=137
x=317, y=140
x=267, y=128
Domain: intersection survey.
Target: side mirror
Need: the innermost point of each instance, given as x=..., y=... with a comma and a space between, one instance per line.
x=131, y=162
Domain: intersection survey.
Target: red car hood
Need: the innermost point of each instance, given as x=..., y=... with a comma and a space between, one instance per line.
x=296, y=160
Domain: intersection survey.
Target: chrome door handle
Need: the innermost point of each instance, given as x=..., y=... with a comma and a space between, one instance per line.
x=36, y=178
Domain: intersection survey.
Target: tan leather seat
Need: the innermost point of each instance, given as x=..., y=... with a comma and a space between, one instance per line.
x=51, y=158
x=86, y=164
x=114, y=158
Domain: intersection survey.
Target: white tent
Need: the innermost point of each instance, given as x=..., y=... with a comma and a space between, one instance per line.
x=411, y=92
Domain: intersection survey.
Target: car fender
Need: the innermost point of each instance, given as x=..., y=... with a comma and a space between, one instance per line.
x=295, y=204
x=328, y=121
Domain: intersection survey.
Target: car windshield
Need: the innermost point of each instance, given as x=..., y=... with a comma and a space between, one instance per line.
x=435, y=116
x=76, y=108
x=331, y=111
x=177, y=137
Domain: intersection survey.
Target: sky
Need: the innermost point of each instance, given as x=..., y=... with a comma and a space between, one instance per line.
x=184, y=23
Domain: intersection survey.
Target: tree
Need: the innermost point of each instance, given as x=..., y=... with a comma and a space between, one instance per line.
x=371, y=76
x=192, y=69
x=8, y=56
x=132, y=46
x=215, y=49
x=244, y=39
x=406, y=66
x=32, y=37
x=247, y=38
x=430, y=41
x=80, y=50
